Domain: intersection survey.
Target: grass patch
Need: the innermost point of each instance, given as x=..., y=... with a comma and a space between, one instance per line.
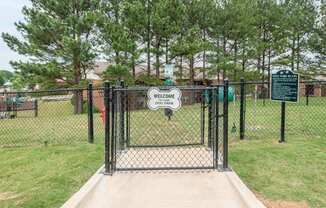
x=55, y=124
x=41, y=176
x=294, y=171
x=37, y=177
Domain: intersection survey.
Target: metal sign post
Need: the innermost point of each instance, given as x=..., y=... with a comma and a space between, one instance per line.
x=285, y=88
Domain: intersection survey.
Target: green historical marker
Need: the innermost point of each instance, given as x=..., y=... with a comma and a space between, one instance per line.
x=285, y=86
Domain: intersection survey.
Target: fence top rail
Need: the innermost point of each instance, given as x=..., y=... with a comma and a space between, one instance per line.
x=144, y=88
x=44, y=91
x=267, y=82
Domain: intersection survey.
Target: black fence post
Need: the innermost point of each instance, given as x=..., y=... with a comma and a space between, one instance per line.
x=122, y=116
x=213, y=118
x=217, y=116
x=209, y=135
x=113, y=98
x=202, y=119
x=35, y=108
x=242, y=110
x=282, y=139
x=225, y=124
x=107, y=105
x=127, y=121
x=90, y=113
x=214, y=124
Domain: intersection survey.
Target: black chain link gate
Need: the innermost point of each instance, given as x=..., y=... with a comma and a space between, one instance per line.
x=137, y=138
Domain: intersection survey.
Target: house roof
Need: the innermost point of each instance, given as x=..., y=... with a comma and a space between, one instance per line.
x=320, y=78
x=101, y=66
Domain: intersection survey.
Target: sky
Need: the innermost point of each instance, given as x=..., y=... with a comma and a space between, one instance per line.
x=10, y=12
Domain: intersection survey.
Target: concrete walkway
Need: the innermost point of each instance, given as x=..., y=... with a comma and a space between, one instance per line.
x=166, y=189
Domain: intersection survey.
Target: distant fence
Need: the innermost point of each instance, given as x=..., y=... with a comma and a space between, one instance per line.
x=253, y=115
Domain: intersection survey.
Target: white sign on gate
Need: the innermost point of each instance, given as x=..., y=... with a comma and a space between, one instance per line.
x=164, y=98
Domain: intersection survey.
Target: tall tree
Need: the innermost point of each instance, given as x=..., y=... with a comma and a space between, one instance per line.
x=58, y=38
x=317, y=40
x=300, y=16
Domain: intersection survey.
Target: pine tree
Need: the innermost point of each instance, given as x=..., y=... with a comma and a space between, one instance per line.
x=59, y=42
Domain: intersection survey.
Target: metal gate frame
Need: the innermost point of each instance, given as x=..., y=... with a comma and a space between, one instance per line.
x=116, y=105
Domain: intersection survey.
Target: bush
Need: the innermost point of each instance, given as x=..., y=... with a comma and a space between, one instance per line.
x=118, y=72
x=149, y=80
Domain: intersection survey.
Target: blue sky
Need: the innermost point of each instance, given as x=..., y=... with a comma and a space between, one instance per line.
x=10, y=12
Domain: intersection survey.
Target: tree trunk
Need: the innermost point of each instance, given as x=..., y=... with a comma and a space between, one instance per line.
x=269, y=71
x=192, y=74
x=191, y=70
x=218, y=60
x=263, y=66
x=224, y=55
x=78, y=94
x=204, y=59
x=157, y=58
x=298, y=52
x=258, y=63
x=243, y=58
x=133, y=66
x=180, y=69
x=235, y=60
x=293, y=54
x=148, y=39
x=263, y=59
x=204, y=66
x=167, y=51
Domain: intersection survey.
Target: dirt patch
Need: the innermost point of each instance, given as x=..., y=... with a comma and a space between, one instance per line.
x=282, y=204
x=7, y=195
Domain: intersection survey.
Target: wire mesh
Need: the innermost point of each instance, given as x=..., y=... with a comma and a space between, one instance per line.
x=306, y=118
x=149, y=139
x=46, y=118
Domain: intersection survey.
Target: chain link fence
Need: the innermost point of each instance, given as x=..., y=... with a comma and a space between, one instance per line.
x=48, y=117
x=51, y=117
x=262, y=117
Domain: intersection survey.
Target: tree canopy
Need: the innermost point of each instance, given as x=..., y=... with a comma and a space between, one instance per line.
x=6, y=75
x=2, y=80
x=227, y=38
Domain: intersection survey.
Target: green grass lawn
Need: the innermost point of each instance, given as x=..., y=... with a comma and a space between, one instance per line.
x=294, y=171
x=45, y=176
x=35, y=175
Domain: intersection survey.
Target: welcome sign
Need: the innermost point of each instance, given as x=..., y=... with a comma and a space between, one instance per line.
x=170, y=99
